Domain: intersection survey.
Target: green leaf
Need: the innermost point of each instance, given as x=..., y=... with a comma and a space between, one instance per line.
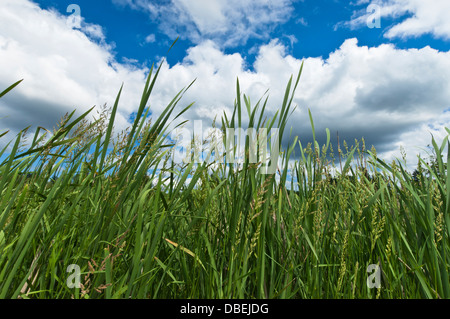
x=10, y=88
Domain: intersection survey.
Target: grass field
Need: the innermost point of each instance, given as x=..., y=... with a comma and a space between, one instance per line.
x=136, y=225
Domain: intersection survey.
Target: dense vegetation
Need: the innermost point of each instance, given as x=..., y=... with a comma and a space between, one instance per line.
x=140, y=226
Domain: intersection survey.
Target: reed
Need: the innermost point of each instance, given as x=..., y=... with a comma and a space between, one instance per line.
x=140, y=226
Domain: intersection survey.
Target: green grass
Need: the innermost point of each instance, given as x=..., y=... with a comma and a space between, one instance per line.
x=240, y=234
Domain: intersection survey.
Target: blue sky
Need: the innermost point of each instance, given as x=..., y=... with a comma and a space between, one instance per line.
x=389, y=85
x=311, y=29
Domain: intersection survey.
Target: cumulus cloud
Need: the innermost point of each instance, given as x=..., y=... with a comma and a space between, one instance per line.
x=419, y=17
x=63, y=68
x=229, y=23
x=379, y=93
x=382, y=94
x=389, y=96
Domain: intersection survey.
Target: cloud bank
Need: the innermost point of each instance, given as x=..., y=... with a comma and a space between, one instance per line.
x=381, y=93
x=63, y=68
x=391, y=97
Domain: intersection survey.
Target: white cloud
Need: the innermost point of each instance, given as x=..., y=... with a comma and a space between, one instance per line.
x=94, y=31
x=62, y=68
x=430, y=16
x=150, y=38
x=389, y=96
x=229, y=23
x=424, y=17
x=383, y=94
